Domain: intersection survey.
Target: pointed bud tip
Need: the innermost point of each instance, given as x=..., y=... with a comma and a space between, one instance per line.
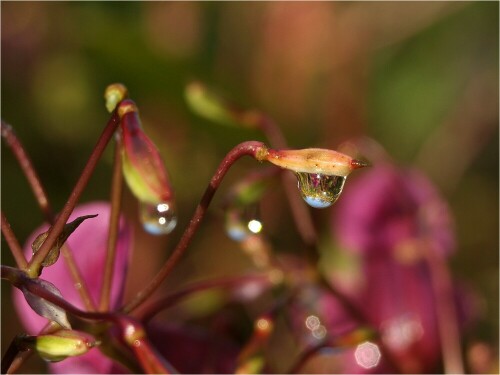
x=355, y=164
x=114, y=94
x=126, y=106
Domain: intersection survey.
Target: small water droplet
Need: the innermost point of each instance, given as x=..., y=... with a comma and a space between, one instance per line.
x=158, y=218
x=242, y=222
x=78, y=286
x=319, y=190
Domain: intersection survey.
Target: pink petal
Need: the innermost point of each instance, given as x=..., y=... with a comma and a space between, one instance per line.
x=88, y=245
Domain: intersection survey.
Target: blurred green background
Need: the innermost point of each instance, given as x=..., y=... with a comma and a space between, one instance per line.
x=419, y=78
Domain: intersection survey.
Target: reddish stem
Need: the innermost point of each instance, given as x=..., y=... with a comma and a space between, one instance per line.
x=251, y=148
x=231, y=282
x=34, y=266
x=114, y=222
x=27, y=167
x=14, y=246
x=300, y=212
x=43, y=202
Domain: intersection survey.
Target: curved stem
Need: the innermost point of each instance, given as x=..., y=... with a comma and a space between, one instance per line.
x=114, y=223
x=34, y=266
x=14, y=246
x=231, y=282
x=300, y=212
x=256, y=150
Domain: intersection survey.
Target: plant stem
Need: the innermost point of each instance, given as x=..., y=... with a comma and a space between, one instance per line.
x=114, y=223
x=34, y=266
x=300, y=212
x=43, y=202
x=29, y=171
x=449, y=335
x=13, y=364
x=230, y=282
x=13, y=243
x=251, y=148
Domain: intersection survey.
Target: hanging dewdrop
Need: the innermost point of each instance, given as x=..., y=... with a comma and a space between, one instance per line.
x=321, y=173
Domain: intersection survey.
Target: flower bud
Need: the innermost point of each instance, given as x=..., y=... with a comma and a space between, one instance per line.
x=211, y=106
x=315, y=160
x=321, y=173
x=114, y=94
x=143, y=167
x=62, y=344
x=145, y=173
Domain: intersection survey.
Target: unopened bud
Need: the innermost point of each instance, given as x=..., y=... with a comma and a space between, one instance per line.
x=315, y=160
x=114, y=94
x=63, y=344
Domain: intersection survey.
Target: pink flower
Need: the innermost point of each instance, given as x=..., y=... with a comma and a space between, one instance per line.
x=88, y=244
x=390, y=210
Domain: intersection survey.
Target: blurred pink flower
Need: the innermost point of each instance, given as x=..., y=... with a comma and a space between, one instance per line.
x=88, y=244
x=388, y=209
x=391, y=217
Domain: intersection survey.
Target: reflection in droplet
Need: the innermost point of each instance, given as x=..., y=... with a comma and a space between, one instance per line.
x=318, y=190
x=240, y=223
x=158, y=218
x=367, y=354
x=255, y=226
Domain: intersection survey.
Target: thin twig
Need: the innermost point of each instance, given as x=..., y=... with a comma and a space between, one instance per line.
x=300, y=213
x=55, y=230
x=114, y=223
x=42, y=199
x=250, y=148
x=230, y=282
x=28, y=169
x=14, y=246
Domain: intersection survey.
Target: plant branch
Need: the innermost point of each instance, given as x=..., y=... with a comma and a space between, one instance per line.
x=230, y=282
x=114, y=224
x=449, y=335
x=28, y=169
x=13, y=243
x=251, y=148
x=300, y=212
x=34, y=267
x=43, y=202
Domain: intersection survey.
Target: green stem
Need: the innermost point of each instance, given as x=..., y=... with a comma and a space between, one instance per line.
x=34, y=266
x=251, y=148
x=114, y=223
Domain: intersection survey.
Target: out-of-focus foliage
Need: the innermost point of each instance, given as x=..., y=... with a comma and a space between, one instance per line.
x=419, y=77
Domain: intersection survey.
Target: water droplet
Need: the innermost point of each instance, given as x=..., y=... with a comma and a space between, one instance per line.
x=158, y=218
x=319, y=190
x=242, y=222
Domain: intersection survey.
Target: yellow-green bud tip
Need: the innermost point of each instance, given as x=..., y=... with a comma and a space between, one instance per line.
x=114, y=94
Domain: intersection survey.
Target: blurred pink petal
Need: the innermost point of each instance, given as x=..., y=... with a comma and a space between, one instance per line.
x=387, y=208
x=88, y=244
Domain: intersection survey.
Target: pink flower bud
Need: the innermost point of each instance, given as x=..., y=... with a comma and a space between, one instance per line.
x=315, y=160
x=143, y=167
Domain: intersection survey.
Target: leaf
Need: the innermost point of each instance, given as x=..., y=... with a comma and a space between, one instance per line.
x=43, y=307
x=53, y=254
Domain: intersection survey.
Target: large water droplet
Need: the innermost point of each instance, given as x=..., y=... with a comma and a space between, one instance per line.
x=158, y=218
x=319, y=190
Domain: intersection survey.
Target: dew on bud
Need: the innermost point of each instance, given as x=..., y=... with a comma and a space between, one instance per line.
x=319, y=190
x=158, y=218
